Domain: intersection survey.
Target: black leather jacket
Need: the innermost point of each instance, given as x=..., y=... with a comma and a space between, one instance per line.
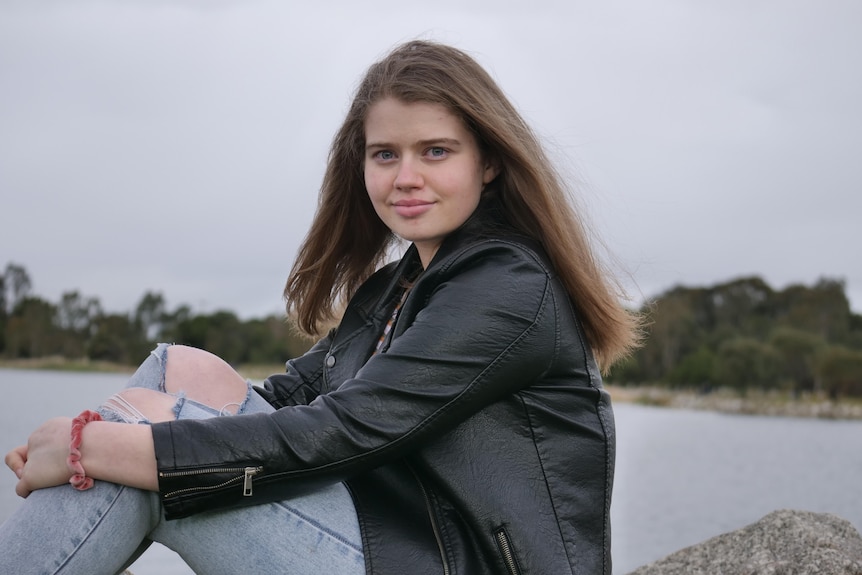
x=480, y=441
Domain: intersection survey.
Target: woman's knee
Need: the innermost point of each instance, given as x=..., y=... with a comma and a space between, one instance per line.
x=203, y=377
x=135, y=404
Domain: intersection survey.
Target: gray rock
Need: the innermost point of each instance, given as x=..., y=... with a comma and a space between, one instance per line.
x=782, y=543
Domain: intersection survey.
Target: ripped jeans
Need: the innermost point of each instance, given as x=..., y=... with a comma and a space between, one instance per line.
x=103, y=530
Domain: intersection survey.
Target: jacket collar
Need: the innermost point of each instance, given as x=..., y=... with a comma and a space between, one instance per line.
x=488, y=221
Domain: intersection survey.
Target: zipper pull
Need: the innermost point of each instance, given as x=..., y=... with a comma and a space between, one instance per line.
x=246, y=484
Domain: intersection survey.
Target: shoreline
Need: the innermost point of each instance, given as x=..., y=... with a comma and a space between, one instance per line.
x=767, y=403
x=756, y=402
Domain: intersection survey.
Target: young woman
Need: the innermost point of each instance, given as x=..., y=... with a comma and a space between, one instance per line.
x=453, y=422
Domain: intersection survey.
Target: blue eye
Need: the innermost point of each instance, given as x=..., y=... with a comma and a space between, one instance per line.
x=437, y=152
x=384, y=155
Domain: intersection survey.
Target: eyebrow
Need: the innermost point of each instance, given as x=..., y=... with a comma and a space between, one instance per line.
x=422, y=143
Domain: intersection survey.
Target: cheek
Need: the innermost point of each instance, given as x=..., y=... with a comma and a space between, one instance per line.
x=467, y=188
x=374, y=182
x=371, y=186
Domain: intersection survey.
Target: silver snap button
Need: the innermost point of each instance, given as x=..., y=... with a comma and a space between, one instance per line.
x=330, y=361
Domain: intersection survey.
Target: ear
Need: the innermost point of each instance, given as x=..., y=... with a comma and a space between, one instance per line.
x=490, y=172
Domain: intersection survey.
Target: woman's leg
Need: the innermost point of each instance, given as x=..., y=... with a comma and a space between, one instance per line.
x=310, y=534
x=101, y=530
x=59, y=530
x=313, y=534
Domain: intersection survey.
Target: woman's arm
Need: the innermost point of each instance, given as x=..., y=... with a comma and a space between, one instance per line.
x=120, y=453
x=476, y=328
x=123, y=453
x=116, y=452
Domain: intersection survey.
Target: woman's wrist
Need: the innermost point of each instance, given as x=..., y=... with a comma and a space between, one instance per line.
x=120, y=453
x=79, y=479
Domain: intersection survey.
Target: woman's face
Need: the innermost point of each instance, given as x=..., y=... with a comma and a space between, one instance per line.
x=423, y=171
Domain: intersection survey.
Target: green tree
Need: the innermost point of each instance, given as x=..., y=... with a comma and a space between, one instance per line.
x=4, y=314
x=854, y=337
x=30, y=330
x=116, y=339
x=741, y=307
x=822, y=309
x=272, y=340
x=695, y=327
x=75, y=318
x=16, y=286
x=172, y=322
x=225, y=337
x=76, y=313
x=671, y=334
x=697, y=369
x=628, y=371
x=744, y=363
x=219, y=333
x=840, y=370
x=798, y=350
x=150, y=315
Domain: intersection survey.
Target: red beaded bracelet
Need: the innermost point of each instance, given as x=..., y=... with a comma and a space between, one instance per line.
x=79, y=479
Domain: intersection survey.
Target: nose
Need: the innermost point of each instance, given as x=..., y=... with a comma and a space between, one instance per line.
x=409, y=176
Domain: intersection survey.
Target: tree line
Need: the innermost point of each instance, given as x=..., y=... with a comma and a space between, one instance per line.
x=741, y=334
x=77, y=327
x=744, y=335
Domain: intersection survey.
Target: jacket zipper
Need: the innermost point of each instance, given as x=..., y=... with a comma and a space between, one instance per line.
x=246, y=478
x=434, y=527
x=506, y=551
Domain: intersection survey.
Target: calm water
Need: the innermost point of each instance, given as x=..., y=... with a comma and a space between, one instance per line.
x=682, y=476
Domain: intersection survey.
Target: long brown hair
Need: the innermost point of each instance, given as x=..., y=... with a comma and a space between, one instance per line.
x=347, y=241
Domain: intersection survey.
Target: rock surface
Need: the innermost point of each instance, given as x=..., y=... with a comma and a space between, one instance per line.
x=782, y=543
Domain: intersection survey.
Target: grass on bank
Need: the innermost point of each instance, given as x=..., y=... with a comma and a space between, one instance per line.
x=752, y=402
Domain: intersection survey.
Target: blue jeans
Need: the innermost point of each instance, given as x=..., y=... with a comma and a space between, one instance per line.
x=103, y=530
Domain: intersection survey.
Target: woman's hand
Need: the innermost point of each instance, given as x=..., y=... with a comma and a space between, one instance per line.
x=42, y=462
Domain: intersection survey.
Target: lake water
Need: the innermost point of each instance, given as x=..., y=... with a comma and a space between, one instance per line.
x=682, y=476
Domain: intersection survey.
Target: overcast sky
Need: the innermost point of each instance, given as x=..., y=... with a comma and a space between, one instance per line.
x=178, y=146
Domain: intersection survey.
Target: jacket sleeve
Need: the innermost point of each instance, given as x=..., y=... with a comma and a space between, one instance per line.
x=477, y=327
x=302, y=380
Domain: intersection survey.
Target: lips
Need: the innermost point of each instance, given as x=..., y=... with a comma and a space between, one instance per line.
x=411, y=208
